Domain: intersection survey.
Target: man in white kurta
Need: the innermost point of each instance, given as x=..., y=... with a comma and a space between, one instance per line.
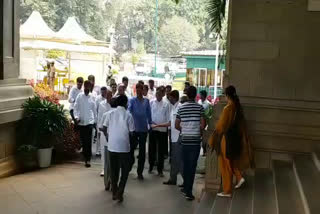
x=86, y=117
x=104, y=106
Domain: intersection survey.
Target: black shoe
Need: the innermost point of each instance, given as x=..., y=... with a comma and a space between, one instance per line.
x=88, y=165
x=114, y=197
x=120, y=198
x=181, y=185
x=170, y=183
x=183, y=192
x=140, y=177
x=189, y=197
x=108, y=187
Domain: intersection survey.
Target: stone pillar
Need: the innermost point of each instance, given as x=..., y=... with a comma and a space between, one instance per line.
x=13, y=91
x=213, y=175
x=273, y=60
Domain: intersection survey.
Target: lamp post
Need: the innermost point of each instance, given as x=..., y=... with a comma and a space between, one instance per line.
x=216, y=67
x=156, y=39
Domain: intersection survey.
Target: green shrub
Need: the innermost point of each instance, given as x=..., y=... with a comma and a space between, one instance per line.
x=43, y=122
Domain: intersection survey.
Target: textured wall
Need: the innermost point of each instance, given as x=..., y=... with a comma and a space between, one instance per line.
x=13, y=91
x=274, y=61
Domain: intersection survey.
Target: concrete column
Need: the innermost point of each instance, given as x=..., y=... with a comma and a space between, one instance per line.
x=13, y=91
x=273, y=61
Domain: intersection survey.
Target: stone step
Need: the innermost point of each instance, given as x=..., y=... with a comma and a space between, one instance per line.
x=243, y=198
x=264, y=201
x=308, y=178
x=316, y=159
x=206, y=203
x=8, y=167
x=287, y=192
x=221, y=206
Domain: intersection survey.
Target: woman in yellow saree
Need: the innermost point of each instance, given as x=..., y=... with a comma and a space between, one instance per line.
x=231, y=142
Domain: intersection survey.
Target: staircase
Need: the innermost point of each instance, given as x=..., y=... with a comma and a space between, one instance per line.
x=291, y=187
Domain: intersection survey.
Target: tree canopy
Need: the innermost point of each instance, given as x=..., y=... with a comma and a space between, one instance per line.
x=177, y=35
x=132, y=21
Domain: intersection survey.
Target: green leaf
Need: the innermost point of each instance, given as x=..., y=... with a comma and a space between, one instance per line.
x=216, y=10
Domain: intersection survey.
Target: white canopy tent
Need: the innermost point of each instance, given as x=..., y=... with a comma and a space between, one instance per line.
x=71, y=38
x=72, y=31
x=49, y=45
x=36, y=28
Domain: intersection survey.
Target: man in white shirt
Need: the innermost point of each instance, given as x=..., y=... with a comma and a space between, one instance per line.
x=168, y=89
x=203, y=100
x=121, y=90
x=104, y=106
x=205, y=104
x=152, y=90
x=119, y=144
x=127, y=91
x=175, y=152
x=158, y=137
x=74, y=92
x=95, y=89
x=114, y=89
x=145, y=92
x=99, y=99
x=86, y=116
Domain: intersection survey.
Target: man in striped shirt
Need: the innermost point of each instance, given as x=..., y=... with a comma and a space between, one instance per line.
x=190, y=121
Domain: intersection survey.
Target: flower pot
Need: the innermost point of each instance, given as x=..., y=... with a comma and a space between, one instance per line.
x=28, y=161
x=44, y=157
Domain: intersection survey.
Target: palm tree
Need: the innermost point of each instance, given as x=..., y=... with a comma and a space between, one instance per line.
x=217, y=13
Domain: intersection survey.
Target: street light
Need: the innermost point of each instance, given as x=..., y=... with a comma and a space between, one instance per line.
x=156, y=39
x=216, y=67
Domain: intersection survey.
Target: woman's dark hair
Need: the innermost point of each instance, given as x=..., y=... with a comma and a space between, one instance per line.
x=231, y=93
x=141, y=82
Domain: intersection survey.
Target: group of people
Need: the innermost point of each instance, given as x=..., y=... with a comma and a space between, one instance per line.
x=123, y=123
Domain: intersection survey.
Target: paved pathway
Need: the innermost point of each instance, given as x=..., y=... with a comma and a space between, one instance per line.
x=73, y=189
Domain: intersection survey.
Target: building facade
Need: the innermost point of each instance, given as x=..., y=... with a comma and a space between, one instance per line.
x=13, y=91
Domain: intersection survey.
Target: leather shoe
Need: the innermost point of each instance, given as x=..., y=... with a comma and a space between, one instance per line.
x=170, y=183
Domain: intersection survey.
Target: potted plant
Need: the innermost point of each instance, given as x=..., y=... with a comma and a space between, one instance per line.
x=27, y=156
x=43, y=123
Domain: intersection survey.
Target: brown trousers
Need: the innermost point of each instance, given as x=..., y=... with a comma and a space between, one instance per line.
x=227, y=170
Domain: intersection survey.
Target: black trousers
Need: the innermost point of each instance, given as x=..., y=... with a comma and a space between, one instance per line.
x=86, y=141
x=140, y=139
x=157, y=147
x=119, y=161
x=72, y=115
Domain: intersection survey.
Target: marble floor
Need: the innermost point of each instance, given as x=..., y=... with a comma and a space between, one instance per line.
x=72, y=189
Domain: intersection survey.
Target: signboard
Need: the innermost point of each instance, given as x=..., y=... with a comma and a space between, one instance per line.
x=313, y=5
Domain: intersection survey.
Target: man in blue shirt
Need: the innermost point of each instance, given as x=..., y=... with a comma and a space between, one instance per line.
x=140, y=109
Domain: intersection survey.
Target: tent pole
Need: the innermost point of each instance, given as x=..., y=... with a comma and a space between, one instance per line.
x=69, y=68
